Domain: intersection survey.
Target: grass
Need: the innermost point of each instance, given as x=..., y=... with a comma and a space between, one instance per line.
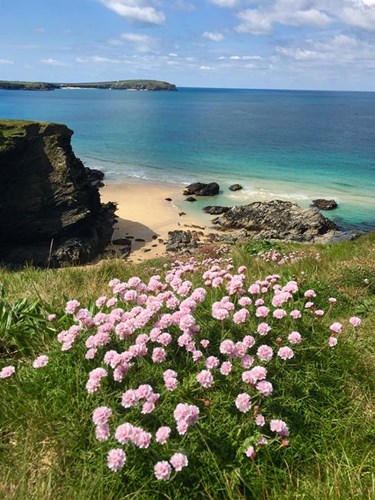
x=47, y=443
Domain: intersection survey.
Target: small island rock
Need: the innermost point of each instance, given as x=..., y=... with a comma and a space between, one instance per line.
x=324, y=204
x=235, y=187
x=201, y=189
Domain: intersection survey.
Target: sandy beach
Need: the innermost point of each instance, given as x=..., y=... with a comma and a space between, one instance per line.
x=145, y=215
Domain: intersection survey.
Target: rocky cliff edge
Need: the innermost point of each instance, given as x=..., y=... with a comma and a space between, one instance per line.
x=50, y=214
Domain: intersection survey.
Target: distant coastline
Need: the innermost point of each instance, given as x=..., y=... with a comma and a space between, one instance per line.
x=135, y=85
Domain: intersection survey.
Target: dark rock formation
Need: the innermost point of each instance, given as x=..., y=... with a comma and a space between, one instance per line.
x=191, y=198
x=95, y=176
x=215, y=209
x=51, y=215
x=181, y=241
x=277, y=220
x=201, y=189
x=324, y=204
x=235, y=187
x=168, y=199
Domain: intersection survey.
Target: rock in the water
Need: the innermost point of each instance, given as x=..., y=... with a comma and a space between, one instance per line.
x=191, y=198
x=181, y=241
x=215, y=209
x=277, y=220
x=235, y=187
x=324, y=204
x=51, y=215
x=201, y=189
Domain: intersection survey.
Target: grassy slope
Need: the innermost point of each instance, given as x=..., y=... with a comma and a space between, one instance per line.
x=45, y=423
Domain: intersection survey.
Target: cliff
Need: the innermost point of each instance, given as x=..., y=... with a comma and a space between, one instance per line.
x=50, y=214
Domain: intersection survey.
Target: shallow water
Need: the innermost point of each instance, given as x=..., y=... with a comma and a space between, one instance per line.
x=289, y=145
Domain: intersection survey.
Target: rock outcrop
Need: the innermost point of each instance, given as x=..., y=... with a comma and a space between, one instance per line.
x=277, y=219
x=215, y=209
x=235, y=187
x=324, y=204
x=201, y=189
x=51, y=214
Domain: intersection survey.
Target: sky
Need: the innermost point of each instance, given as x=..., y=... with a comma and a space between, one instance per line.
x=280, y=44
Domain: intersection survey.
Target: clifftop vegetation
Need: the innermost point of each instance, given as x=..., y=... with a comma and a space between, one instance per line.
x=151, y=85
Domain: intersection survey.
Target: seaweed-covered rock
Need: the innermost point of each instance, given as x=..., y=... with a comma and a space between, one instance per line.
x=277, y=220
x=215, y=209
x=324, y=204
x=50, y=212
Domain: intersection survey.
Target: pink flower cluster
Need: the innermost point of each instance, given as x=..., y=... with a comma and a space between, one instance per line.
x=144, y=393
x=185, y=415
x=163, y=469
x=7, y=371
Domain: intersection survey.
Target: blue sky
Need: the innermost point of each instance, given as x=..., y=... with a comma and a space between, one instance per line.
x=295, y=44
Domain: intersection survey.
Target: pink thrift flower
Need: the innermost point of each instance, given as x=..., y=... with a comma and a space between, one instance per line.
x=295, y=314
x=204, y=343
x=279, y=313
x=259, y=302
x=197, y=355
x=41, y=361
x=240, y=316
x=265, y=352
x=245, y=301
x=243, y=402
x=226, y=368
x=116, y=459
x=158, y=355
x=260, y=420
x=162, y=435
x=51, y=317
x=179, y=461
x=129, y=398
x=147, y=407
x=250, y=452
x=247, y=361
x=263, y=328
x=90, y=354
x=170, y=383
x=101, y=301
x=162, y=470
x=262, y=312
x=124, y=433
x=264, y=387
x=294, y=338
x=332, y=341
x=102, y=432
x=212, y=362
x=7, y=371
x=309, y=305
x=248, y=341
x=227, y=347
x=71, y=306
x=309, y=293
x=144, y=391
x=280, y=427
x=332, y=300
x=101, y=415
x=336, y=327
x=205, y=378
x=285, y=353
x=355, y=321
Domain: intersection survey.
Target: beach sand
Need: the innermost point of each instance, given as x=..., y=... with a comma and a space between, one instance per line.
x=144, y=214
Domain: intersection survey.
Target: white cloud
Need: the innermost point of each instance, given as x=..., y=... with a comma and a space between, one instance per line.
x=135, y=10
x=97, y=59
x=261, y=21
x=141, y=42
x=52, y=62
x=225, y=3
x=173, y=54
x=214, y=36
x=206, y=68
x=6, y=61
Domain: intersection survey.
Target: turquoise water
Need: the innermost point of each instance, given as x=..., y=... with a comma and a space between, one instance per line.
x=295, y=145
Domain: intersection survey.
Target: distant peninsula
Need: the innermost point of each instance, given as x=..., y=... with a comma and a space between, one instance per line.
x=141, y=85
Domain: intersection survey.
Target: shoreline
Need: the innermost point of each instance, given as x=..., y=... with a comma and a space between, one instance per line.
x=145, y=215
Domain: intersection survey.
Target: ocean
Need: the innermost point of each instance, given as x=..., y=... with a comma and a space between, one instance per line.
x=289, y=145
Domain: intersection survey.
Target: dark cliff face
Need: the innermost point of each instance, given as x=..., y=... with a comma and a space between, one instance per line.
x=46, y=199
